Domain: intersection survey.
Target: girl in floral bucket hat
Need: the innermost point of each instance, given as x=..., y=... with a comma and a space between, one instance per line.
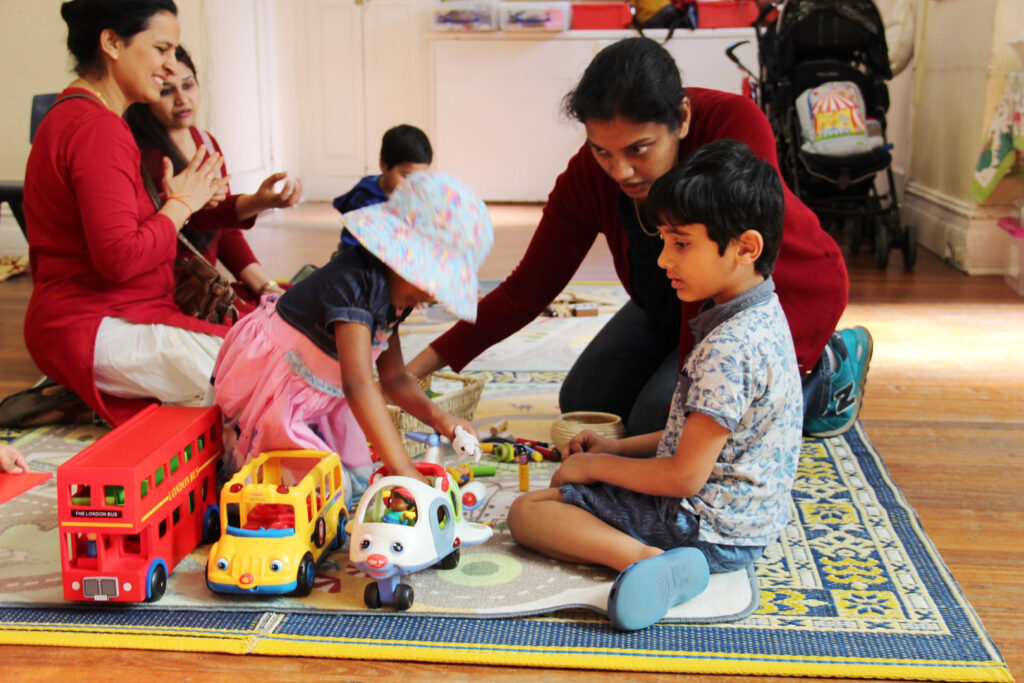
x=298, y=371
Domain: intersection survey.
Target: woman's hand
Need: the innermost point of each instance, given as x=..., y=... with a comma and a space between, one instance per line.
x=218, y=196
x=288, y=196
x=193, y=187
x=267, y=198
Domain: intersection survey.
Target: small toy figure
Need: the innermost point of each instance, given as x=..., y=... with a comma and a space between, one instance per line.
x=401, y=508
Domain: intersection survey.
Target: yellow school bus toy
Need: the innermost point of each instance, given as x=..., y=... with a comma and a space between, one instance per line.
x=275, y=534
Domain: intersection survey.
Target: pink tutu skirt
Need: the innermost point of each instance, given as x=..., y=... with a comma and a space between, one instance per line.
x=279, y=391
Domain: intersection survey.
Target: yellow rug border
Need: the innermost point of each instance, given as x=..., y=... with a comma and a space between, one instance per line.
x=255, y=643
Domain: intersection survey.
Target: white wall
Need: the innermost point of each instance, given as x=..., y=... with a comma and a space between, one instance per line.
x=956, y=91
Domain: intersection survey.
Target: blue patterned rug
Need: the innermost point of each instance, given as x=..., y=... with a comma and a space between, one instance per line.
x=853, y=589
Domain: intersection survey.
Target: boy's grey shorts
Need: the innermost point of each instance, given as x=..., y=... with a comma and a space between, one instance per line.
x=656, y=521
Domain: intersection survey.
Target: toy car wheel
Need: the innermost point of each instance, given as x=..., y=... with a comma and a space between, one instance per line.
x=211, y=526
x=305, y=576
x=403, y=596
x=371, y=596
x=320, y=533
x=339, y=540
x=451, y=560
x=157, y=583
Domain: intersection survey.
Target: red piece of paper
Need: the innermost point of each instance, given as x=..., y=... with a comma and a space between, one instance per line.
x=12, y=485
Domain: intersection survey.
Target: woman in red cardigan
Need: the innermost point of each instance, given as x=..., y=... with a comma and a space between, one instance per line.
x=167, y=129
x=102, y=320
x=640, y=123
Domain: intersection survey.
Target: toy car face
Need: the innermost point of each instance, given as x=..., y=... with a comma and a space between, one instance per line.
x=273, y=535
x=401, y=526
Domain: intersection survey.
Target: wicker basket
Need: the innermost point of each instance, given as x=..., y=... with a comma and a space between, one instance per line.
x=569, y=425
x=460, y=402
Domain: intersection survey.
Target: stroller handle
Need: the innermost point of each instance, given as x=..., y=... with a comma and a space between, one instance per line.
x=730, y=53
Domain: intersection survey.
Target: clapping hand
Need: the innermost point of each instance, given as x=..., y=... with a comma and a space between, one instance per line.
x=198, y=182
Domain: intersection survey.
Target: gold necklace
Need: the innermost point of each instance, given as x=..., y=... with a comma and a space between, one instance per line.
x=84, y=85
x=636, y=209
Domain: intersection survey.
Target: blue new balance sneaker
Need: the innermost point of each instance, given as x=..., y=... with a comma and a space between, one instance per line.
x=646, y=590
x=852, y=350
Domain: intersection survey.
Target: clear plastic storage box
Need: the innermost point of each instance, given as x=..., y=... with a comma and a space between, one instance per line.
x=465, y=15
x=535, y=16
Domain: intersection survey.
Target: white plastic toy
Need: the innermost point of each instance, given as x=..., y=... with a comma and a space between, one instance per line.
x=403, y=525
x=464, y=443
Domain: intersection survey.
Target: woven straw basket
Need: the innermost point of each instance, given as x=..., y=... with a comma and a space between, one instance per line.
x=461, y=402
x=570, y=424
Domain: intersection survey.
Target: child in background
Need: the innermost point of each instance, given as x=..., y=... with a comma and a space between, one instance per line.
x=11, y=460
x=712, y=489
x=298, y=372
x=404, y=150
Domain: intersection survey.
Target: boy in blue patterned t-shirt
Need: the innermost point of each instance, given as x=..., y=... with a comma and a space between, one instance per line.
x=716, y=490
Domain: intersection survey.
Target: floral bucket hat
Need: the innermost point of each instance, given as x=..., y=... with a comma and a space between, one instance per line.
x=434, y=232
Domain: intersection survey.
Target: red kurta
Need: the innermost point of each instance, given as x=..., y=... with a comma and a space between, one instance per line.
x=97, y=248
x=810, y=275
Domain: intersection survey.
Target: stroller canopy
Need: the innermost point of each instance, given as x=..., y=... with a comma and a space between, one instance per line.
x=842, y=29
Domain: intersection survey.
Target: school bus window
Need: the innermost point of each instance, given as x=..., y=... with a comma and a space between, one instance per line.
x=188, y=452
x=176, y=515
x=201, y=442
x=309, y=507
x=336, y=473
x=113, y=495
x=158, y=476
x=191, y=502
x=80, y=494
x=234, y=515
x=319, y=498
x=259, y=474
x=163, y=528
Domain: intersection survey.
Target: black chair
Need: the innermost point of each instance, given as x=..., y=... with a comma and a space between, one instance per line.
x=12, y=191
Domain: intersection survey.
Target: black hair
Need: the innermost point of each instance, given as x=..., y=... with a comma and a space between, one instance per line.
x=148, y=132
x=87, y=19
x=723, y=186
x=635, y=79
x=405, y=144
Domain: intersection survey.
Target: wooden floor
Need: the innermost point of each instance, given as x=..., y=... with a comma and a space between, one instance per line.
x=944, y=406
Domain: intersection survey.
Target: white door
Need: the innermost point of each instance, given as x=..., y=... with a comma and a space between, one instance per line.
x=240, y=86
x=361, y=71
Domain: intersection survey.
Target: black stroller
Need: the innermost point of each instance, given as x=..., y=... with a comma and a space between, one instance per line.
x=811, y=46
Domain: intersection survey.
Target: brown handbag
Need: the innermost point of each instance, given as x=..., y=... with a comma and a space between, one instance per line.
x=200, y=290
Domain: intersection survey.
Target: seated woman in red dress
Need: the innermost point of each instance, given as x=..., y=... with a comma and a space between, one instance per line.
x=102, y=320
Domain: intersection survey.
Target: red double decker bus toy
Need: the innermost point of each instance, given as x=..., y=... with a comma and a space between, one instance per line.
x=136, y=502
